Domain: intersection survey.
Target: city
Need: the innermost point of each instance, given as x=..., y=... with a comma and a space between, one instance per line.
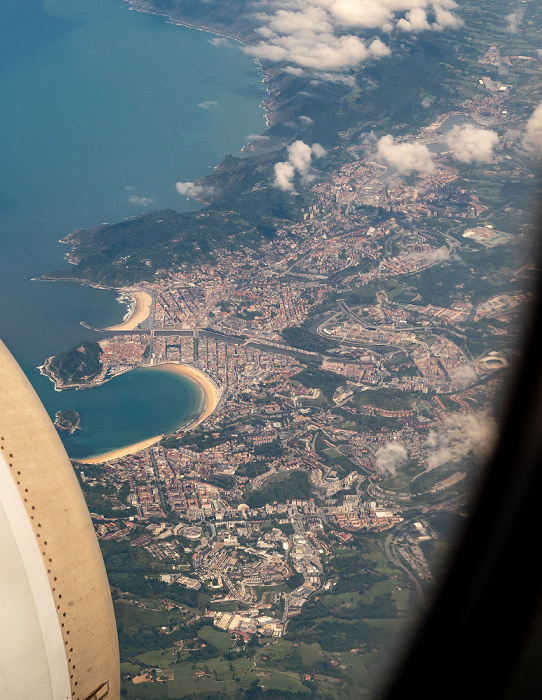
x=359, y=358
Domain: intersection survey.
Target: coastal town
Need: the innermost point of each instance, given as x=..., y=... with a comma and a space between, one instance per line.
x=269, y=356
x=303, y=445
x=350, y=370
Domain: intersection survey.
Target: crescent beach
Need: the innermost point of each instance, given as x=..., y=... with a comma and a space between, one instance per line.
x=210, y=399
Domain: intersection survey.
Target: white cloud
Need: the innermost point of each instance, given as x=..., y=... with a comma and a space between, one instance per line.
x=318, y=151
x=318, y=35
x=299, y=161
x=208, y=103
x=141, y=201
x=364, y=13
x=532, y=140
x=257, y=137
x=460, y=434
x=378, y=48
x=384, y=14
x=464, y=376
x=300, y=156
x=193, y=191
x=311, y=50
x=306, y=120
x=469, y=143
x=220, y=41
x=406, y=158
x=309, y=19
x=390, y=458
x=294, y=71
x=433, y=256
x=414, y=21
x=284, y=176
x=327, y=77
x=445, y=18
x=512, y=20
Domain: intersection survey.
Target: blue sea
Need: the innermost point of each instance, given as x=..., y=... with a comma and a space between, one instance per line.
x=103, y=109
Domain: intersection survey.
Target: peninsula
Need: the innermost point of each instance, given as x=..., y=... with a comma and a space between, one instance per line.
x=77, y=368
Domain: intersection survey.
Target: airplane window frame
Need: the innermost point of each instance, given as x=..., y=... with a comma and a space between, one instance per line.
x=483, y=634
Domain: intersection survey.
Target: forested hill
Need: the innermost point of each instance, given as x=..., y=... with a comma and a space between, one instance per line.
x=231, y=17
x=80, y=365
x=138, y=248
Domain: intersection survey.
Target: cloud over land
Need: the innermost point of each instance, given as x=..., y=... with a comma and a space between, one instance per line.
x=532, y=141
x=470, y=143
x=460, y=434
x=406, y=158
x=190, y=189
x=390, y=458
x=323, y=35
x=299, y=161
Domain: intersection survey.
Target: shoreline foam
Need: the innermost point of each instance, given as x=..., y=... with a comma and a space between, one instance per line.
x=211, y=395
x=210, y=390
x=137, y=313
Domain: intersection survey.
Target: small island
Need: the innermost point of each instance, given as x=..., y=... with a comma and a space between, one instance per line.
x=68, y=420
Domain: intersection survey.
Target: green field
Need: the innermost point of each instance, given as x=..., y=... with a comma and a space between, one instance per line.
x=221, y=640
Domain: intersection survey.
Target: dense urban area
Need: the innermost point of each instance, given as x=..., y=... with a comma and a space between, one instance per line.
x=359, y=354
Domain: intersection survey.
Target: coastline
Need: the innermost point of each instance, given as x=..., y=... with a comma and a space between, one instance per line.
x=211, y=397
x=138, y=7
x=141, y=306
x=137, y=312
x=211, y=392
x=121, y=452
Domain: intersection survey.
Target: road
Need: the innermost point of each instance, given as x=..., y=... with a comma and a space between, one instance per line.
x=391, y=554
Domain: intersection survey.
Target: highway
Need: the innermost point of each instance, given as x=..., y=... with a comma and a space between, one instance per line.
x=391, y=554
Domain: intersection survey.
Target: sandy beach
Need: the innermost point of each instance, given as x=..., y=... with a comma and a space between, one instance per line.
x=211, y=395
x=209, y=388
x=138, y=313
x=121, y=452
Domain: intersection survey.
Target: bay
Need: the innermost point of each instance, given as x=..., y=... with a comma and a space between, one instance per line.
x=103, y=110
x=142, y=403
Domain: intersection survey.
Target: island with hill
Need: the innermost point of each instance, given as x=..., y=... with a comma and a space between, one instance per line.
x=68, y=421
